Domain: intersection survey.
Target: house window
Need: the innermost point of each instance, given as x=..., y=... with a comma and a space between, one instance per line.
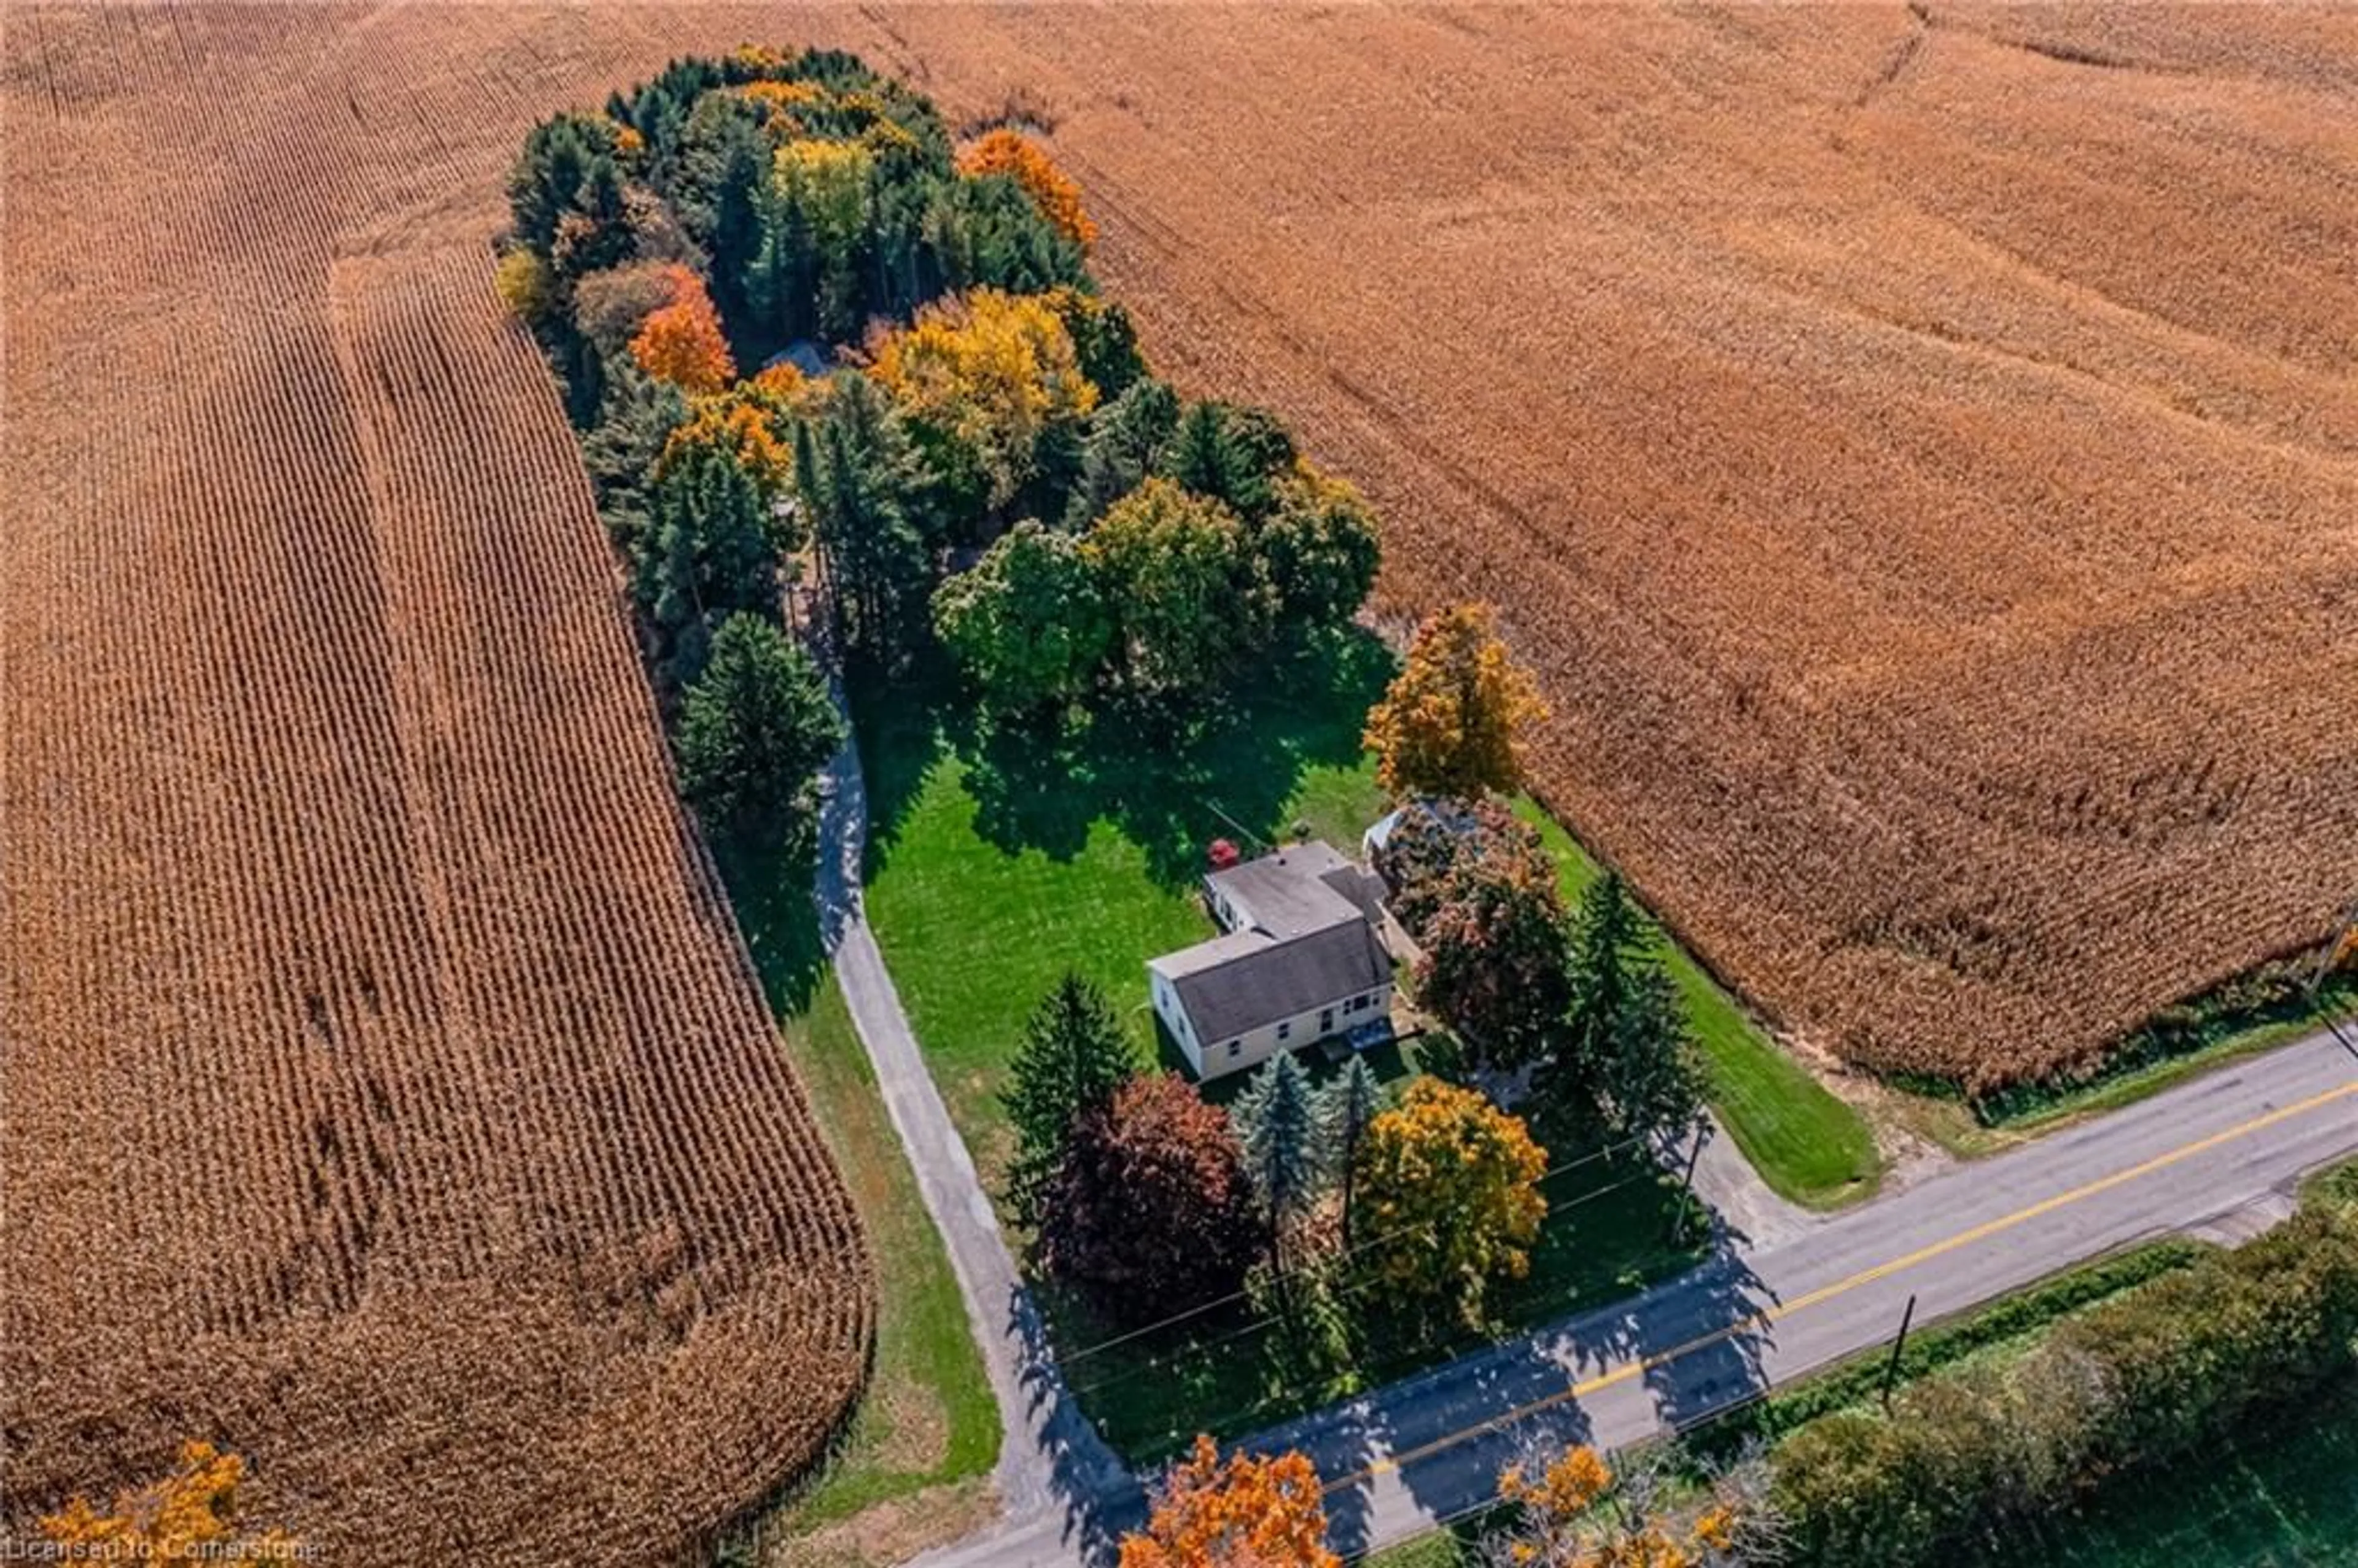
x=1285, y=1030
x=1234, y=1046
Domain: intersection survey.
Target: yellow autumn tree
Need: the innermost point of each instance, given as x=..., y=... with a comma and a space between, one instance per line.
x=1010, y=153
x=1454, y=722
x=1561, y=1518
x=1246, y=1511
x=681, y=342
x=1448, y=1188
x=189, y=1516
x=985, y=377
x=523, y=284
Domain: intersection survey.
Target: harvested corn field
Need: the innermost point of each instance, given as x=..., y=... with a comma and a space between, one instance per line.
x=1917, y=447
x=388, y=1096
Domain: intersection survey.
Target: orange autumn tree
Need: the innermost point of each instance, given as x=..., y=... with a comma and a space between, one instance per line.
x=752, y=423
x=1452, y=722
x=681, y=342
x=1051, y=190
x=189, y=1516
x=1247, y=1511
x=1572, y=1511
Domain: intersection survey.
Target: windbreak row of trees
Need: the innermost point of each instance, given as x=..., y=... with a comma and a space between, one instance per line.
x=810, y=341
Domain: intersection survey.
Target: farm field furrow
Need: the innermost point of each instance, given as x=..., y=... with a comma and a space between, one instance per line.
x=1916, y=446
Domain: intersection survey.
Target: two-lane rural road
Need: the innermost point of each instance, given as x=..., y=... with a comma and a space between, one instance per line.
x=2225, y=1150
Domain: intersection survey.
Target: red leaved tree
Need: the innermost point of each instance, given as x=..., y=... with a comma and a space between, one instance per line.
x=1149, y=1211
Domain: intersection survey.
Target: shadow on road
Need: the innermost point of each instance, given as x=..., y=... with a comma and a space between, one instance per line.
x=1088, y=1484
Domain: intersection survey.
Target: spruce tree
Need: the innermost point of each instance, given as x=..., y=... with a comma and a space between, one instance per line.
x=706, y=554
x=1074, y=1057
x=754, y=727
x=1344, y=1108
x=1277, y=1126
x=1626, y=1050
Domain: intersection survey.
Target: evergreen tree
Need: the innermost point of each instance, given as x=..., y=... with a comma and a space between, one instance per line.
x=707, y=553
x=1196, y=457
x=754, y=727
x=1074, y=1057
x=1233, y=454
x=724, y=164
x=1125, y=441
x=1344, y=1108
x=559, y=158
x=635, y=418
x=1277, y=1126
x=860, y=485
x=1626, y=1047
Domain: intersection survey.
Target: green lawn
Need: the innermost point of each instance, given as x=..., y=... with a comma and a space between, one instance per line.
x=1804, y=1140
x=997, y=863
x=928, y=1417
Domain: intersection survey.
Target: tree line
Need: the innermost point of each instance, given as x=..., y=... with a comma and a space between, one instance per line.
x=807, y=341
x=1578, y=1000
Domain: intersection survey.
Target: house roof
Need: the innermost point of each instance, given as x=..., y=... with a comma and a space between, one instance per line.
x=1245, y=979
x=1299, y=889
x=1304, y=938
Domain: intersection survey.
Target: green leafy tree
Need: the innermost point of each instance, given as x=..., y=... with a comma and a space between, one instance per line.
x=1345, y=1107
x=1494, y=946
x=1026, y=623
x=1125, y=441
x=707, y=554
x=859, y=484
x=1185, y=590
x=1450, y=1184
x=1276, y=1120
x=754, y=728
x=1319, y=551
x=1626, y=1044
x=1149, y=1211
x=1075, y=1056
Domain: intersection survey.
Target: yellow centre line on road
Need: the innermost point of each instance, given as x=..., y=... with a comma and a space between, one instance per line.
x=1768, y=1315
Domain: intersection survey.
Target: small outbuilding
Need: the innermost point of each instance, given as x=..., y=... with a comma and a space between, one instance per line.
x=1298, y=960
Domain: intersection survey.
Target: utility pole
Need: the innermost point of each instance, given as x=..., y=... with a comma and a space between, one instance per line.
x=1891, y=1368
x=1686, y=1185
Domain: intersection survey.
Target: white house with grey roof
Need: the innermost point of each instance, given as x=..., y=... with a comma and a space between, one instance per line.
x=1298, y=960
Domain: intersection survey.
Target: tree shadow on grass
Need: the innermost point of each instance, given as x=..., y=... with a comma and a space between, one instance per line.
x=904, y=720
x=1171, y=781
x=770, y=890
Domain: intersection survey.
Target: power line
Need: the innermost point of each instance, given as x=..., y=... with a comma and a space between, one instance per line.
x=1261, y=1325
x=1074, y=1357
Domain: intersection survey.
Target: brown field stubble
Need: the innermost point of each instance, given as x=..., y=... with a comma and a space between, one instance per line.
x=1917, y=450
